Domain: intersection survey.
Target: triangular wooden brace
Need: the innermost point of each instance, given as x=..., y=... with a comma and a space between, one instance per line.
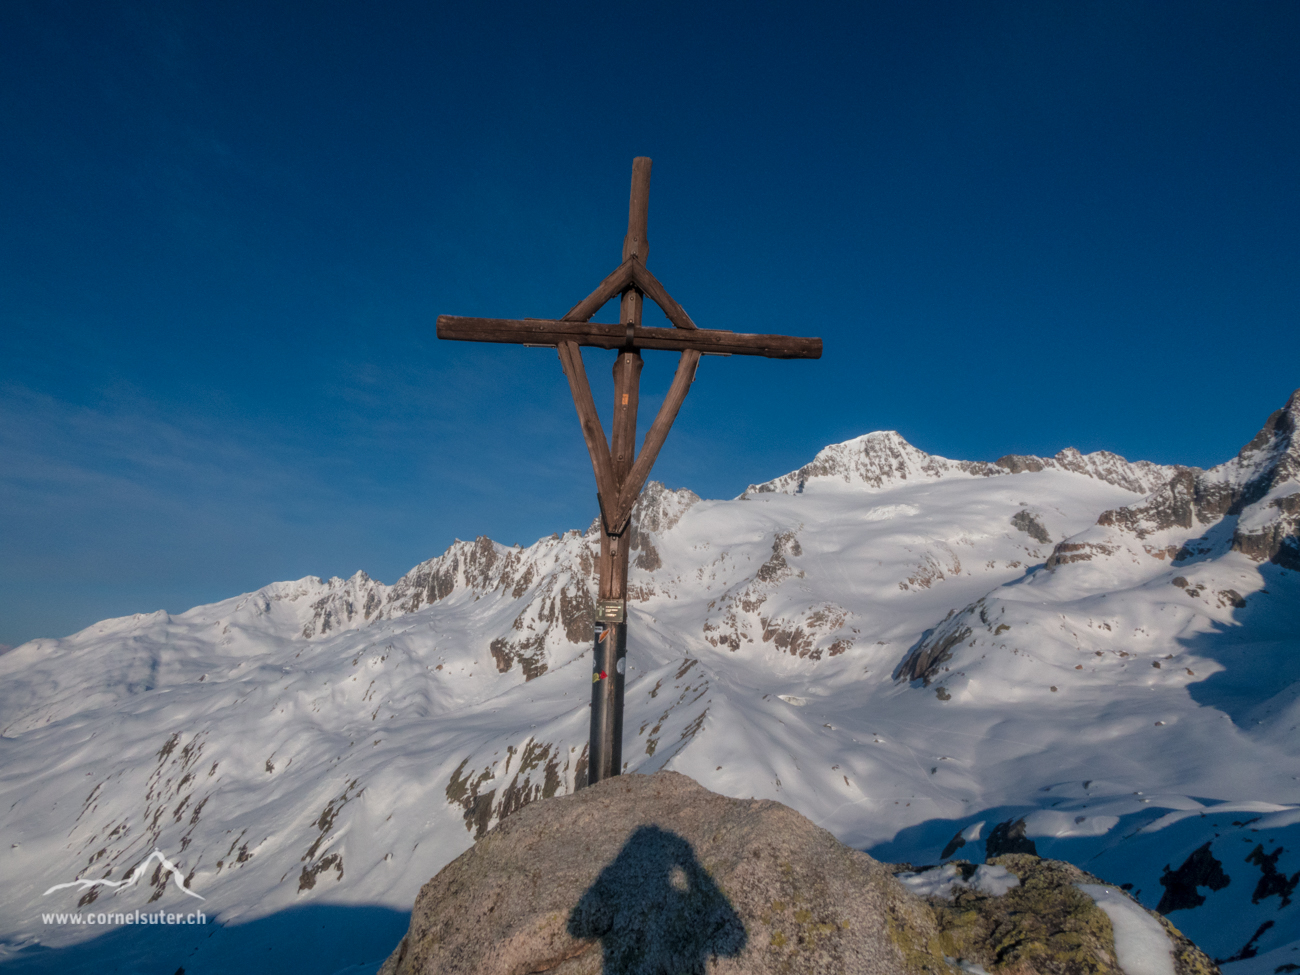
x=616, y=283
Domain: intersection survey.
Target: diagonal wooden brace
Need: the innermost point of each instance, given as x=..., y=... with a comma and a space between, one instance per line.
x=648, y=283
x=592, y=432
x=630, y=489
x=618, y=281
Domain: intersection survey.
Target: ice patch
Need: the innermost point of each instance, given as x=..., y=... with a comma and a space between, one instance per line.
x=1141, y=945
x=1051, y=822
x=933, y=883
x=993, y=880
x=939, y=882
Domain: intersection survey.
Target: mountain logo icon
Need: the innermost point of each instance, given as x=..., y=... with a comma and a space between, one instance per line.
x=132, y=877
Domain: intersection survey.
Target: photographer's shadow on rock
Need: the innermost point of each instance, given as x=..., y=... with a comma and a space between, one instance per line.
x=656, y=910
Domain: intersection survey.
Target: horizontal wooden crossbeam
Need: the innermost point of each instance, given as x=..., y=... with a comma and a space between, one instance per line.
x=550, y=332
x=620, y=469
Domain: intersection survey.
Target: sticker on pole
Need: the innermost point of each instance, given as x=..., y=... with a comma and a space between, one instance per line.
x=610, y=611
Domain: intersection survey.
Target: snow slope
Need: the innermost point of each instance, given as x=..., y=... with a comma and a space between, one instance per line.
x=927, y=657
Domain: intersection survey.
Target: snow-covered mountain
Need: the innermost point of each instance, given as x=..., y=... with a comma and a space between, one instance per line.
x=1096, y=657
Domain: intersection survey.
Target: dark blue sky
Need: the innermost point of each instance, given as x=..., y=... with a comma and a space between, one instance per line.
x=226, y=230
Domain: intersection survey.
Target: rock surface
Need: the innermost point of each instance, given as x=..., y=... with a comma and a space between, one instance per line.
x=655, y=875
x=649, y=874
x=1045, y=923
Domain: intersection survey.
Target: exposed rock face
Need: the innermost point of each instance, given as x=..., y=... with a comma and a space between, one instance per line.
x=738, y=617
x=658, y=509
x=1274, y=533
x=539, y=774
x=883, y=458
x=926, y=657
x=1009, y=837
x=555, y=580
x=1140, y=476
x=1200, y=869
x=655, y=875
x=1028, y=522
x=1260, y=487
x=936, y=646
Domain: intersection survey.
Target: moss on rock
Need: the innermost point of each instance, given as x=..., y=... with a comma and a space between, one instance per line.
x=655, y=875
x=1044, y=926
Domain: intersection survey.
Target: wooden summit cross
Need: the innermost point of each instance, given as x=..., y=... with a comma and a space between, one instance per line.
x=621, y=471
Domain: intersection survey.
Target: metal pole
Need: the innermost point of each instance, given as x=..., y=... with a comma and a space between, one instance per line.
x=610, y=664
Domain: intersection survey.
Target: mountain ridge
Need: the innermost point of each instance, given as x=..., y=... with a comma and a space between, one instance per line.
x=877, y=460
x=896, y=660
x=882, y=458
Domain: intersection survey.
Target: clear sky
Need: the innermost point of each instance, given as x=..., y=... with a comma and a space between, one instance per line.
x=226, y=230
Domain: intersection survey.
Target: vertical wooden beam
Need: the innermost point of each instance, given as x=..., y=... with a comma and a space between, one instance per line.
x=627, y=382
x=635, y=245
x=638, y=209
x=627, y=385
x=610, y=647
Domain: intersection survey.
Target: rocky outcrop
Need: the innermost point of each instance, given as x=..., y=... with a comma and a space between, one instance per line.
x=1138, y=476
x=927, y=656
x=488, y=797
x=656, y=511
x=1030, y=522
x=342, y=602
x=655, y=874
x=1039, y=920
x=659, y=509
x=1079, y=549
x=652, y=875
x=555, y=576
x=1260, y=487
x=1277, y=537
x=879, y=459
x=738, y=617
x=1180, y=503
